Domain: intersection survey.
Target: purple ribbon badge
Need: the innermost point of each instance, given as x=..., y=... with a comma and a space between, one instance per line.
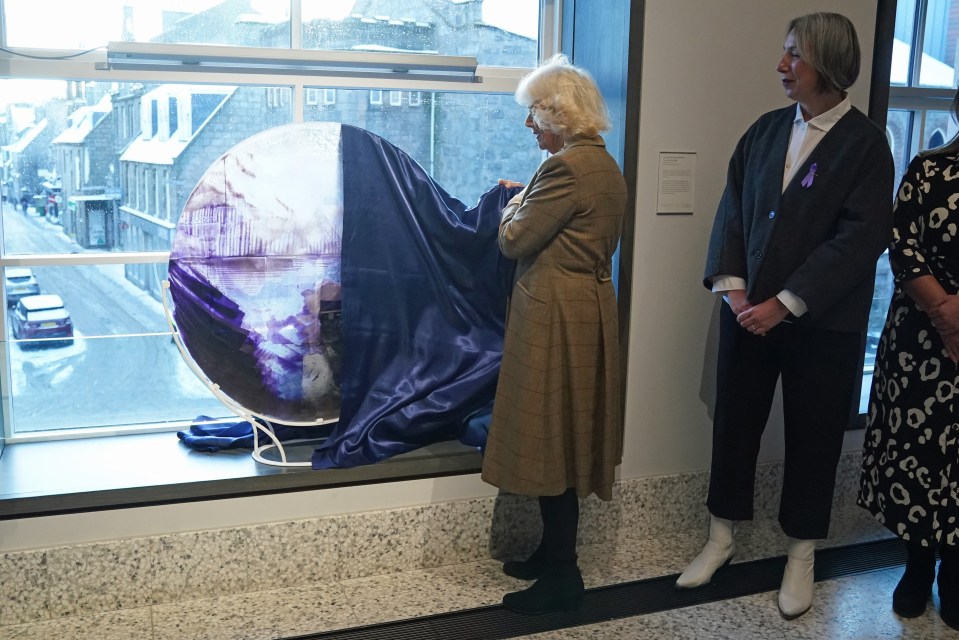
x=807, y=181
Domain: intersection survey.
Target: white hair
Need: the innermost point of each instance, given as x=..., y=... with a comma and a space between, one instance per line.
x=563, y=99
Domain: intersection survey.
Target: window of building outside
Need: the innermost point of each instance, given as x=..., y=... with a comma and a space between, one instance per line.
x=97, y=232
x=922, y=85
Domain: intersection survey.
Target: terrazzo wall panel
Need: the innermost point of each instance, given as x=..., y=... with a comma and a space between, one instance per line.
x=117, y=575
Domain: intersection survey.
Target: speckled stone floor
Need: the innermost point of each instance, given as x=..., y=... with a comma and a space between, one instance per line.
x=849, y=608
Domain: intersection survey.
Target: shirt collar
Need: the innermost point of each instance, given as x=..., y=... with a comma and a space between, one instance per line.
x=825, y=121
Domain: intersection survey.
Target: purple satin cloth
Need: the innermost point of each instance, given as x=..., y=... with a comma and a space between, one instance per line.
x=424, y=306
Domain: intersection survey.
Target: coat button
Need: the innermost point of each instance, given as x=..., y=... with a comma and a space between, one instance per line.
x=772, y=214
x=757, y=254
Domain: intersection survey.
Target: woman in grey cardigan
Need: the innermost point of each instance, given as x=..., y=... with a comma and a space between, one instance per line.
x=806, y=213
x=556, y=430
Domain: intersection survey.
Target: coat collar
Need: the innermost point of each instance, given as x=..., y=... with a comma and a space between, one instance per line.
x=585, y=141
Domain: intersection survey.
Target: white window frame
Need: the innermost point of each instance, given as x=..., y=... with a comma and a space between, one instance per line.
x=415, y=98
x=53, y=64
x=329, y=96
x=311, y=96
x=396, y=98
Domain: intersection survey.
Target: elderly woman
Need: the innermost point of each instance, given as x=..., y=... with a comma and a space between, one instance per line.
x=555, y=431
x=806, y=213
x=910, y=475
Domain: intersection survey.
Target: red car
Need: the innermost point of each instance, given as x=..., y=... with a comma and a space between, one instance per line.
x=42, y=317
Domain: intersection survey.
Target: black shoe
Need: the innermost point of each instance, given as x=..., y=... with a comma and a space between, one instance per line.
x=948, y=583
x=912, y=594
x=560, y=589
x=529, y=569
x=915, y=587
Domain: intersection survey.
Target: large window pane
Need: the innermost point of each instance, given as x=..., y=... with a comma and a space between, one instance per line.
x=939, y=128
x=121, y=366
x=497, y=32
x=115, y=381
x=939, y=45
x=881, y=297
x=899, y=135
x=108, y=166
x=263, y=23
x=466, y=142
x=903, y=41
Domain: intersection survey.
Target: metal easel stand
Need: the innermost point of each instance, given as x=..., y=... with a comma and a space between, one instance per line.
x=261, y=424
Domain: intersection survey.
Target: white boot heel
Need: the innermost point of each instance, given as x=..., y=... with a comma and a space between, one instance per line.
x=718, y=551
x=796, y=592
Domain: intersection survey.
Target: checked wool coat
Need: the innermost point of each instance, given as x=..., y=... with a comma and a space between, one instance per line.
x=556, y=418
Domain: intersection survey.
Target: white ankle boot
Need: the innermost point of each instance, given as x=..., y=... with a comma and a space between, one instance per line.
x=795, y=594
x=717, y=552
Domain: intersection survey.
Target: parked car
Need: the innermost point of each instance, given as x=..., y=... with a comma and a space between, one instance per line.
x=42, y=316
x=20, y=282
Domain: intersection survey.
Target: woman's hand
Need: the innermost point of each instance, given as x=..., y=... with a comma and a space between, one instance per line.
x=945, y=315
x=509, y=184
x=737, y=300
x=761, y=318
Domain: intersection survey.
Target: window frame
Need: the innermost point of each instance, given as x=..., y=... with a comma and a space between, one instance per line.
x=68, y=64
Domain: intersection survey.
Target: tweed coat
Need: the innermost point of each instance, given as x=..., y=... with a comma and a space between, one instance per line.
x=556, y=418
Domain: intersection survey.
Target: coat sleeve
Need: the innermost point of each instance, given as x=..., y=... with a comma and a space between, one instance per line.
x=863, y=230
x=727, y=243
x=905, y=252
x=547, y=205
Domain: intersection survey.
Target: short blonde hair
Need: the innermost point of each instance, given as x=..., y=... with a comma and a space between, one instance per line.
x=563, y=99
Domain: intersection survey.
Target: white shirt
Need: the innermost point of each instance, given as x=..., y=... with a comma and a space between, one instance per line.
x=803, y=138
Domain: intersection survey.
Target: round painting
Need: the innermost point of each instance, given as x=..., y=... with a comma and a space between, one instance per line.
x=255, y=273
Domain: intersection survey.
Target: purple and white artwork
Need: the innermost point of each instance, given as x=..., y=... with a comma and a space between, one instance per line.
x=255, y=273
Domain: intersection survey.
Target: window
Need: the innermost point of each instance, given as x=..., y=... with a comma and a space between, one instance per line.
x=922, y=84
x=157, y=131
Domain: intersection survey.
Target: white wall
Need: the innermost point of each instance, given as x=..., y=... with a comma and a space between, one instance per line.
x=708, y=72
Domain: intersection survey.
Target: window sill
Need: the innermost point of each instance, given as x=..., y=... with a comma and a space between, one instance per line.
x=75, y=476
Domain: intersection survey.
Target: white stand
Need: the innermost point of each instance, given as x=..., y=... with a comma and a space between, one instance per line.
x=260, y=423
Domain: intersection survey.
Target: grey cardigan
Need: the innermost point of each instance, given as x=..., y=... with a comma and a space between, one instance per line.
x=820, y=240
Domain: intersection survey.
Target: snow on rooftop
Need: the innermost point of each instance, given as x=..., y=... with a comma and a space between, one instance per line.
x=24, y=141
x=83, y=120
x=164, y=150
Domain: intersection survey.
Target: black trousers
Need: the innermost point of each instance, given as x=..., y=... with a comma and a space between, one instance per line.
x=819, y=370
x=560, y=524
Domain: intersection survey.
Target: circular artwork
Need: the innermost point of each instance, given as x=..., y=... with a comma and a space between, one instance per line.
x=255, y=273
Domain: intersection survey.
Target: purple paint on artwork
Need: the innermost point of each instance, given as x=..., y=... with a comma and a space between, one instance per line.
x=255, y=273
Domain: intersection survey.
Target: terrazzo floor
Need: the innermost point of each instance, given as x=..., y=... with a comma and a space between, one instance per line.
x=854, y=608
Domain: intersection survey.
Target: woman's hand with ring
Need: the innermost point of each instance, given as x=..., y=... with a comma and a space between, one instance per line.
x=761, y=318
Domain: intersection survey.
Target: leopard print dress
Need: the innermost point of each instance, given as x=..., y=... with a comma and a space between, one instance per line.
x=910, y=467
